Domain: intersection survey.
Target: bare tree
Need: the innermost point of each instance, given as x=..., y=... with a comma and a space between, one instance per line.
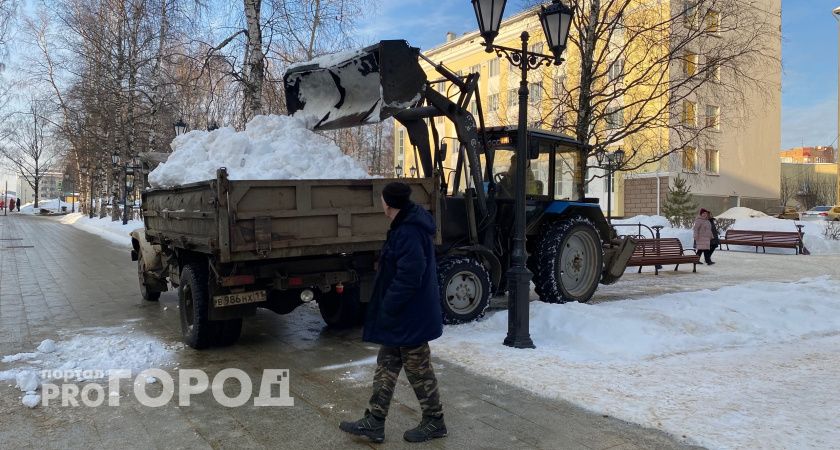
x=29, y=136
x=636, y=72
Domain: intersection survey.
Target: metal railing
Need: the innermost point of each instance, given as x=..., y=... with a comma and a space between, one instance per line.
x=654, y=231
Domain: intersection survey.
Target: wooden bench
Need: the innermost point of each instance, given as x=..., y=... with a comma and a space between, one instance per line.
x=763, y=239
x=658, y=252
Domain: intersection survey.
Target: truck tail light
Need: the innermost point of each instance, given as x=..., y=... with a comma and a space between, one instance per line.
x=238, y=280
x=339, y=288
x=823, y=214
x=295, y=281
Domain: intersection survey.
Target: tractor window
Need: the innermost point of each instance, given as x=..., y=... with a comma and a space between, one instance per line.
x=565, y=181
x=537, y=174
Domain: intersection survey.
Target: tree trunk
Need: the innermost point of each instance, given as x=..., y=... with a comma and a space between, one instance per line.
x=584, y=119
x=254, y=61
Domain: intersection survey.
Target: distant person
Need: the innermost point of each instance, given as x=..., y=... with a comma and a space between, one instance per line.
x=507, y=185
x=703, y=235
x=403, y=315
x=17, y=202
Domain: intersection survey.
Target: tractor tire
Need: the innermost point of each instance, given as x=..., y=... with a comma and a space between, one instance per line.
x=147, y=294
x=197, y=330
x=465, y=289
x=341, y=310
x=571, y=260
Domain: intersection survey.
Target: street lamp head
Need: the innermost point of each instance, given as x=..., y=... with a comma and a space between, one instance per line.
x=115, y=158
x=618, y=157
x=489, y=16
x=413, y=171
x=599, y=156
x=398, y=170
x=556, y=20
x=180, y=127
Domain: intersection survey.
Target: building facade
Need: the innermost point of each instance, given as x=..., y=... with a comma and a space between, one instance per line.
x=808, y=155
x=735, y=163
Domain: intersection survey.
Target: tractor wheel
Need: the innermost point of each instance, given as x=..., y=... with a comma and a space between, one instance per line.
x=570, y=261
x=340, y=310
x=197, y=330
x=147, y=294
x=464, y=289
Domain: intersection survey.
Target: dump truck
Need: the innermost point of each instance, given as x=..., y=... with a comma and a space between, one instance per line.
x=231, y=246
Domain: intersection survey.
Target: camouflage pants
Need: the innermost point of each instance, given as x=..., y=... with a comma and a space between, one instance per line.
x=417, y=362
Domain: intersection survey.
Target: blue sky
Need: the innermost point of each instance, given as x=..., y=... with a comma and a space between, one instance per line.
x=809, y=54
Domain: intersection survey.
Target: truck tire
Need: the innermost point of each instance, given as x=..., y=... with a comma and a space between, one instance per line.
x=465, y=289
x=147, y=294
x=570, y=261
x=229, y=331
x=341, y=310
x=197, y=330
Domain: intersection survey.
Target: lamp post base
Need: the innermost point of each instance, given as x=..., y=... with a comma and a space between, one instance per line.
x=519, y=282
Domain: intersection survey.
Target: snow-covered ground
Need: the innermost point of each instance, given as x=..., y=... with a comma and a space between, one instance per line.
x=86, y=354
x=748, y=366
x=53, y=205
x=113, y=231
x=271, y=148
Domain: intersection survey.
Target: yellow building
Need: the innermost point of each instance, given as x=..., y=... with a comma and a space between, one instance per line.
x=736, y=164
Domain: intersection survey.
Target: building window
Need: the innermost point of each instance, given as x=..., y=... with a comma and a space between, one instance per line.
x=689, y=159
x=712, y=162
x=712, y=21
x=689, y=114
x=535, y=92
x=493, y=102
x=615, y=117
x=617, y=69
x=712, y=117
x=689, y=64
x=536, y=48
x=401, y=144
x=493, y=68
x=513, y=97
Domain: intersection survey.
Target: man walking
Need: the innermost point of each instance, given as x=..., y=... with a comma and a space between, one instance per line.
x=403, y=315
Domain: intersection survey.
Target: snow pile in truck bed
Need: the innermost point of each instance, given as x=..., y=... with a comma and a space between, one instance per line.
x=271, y=148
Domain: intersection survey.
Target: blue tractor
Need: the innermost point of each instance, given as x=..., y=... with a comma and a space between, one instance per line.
x=571, y=246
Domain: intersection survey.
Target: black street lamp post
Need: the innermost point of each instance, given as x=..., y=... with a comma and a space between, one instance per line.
x=555, y=20
x=610, y=162
x=129, y=168
x=88, y=168
x=398, y=171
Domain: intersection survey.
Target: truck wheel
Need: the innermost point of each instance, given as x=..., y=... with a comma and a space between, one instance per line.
x=570, y=261
x=229, y=331
x=340, y=310
x=145, y=292
x=197, y=330
x=464, y=289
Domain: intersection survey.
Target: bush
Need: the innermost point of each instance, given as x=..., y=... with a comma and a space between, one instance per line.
x=832, y=231
x=724, y=224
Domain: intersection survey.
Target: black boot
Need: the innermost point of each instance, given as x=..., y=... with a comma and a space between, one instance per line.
x=369, y=425
x=430, y=428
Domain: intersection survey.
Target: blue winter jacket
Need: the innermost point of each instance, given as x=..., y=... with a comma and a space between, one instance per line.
x=404, y=309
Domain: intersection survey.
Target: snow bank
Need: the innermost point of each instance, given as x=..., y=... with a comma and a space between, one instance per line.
x=53, y=204
x=750, y=366
x=106, y=228
x=271, y=148
x=740, y=212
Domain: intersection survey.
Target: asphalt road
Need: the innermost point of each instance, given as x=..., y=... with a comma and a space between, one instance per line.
x=57, y=281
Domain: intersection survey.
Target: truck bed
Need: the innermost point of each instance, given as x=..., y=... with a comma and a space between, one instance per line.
x=244, y=220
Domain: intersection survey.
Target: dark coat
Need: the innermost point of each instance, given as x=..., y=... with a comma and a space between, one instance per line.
x=404, y=309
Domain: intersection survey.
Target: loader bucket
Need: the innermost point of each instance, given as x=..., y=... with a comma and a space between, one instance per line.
x=355, y=88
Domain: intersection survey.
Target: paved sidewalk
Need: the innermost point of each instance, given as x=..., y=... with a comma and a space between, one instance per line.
x=57, y=277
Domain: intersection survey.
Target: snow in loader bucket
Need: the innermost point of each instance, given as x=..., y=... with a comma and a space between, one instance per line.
x=355, y=88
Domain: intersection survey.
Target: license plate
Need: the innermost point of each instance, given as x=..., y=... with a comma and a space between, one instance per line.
x=242, y=298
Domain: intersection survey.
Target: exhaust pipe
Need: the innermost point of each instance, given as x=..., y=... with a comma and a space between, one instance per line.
x=355, y=88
